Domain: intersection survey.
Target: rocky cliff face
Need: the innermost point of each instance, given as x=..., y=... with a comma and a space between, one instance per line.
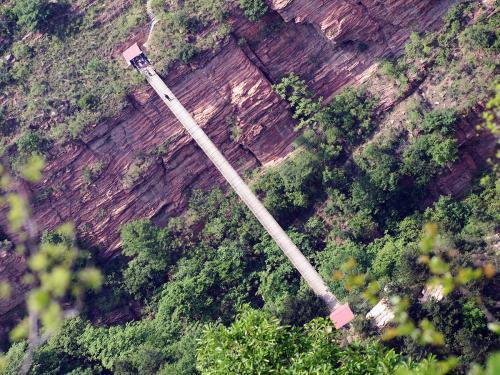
x=229, y=93
x=384, y=23
x=12, y=268
x=149, y=164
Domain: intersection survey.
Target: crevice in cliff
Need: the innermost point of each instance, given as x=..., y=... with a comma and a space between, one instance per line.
x=380, y=23
x=251, y=153
x=256, y=61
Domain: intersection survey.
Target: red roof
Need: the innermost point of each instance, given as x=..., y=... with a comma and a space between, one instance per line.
x=342, y=316
x=133, y=51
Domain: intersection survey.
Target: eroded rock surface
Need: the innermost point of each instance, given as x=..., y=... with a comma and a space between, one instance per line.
x=367, y=21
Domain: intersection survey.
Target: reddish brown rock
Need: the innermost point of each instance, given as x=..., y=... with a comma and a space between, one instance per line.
x=368, y=21
x=339, y=42
x=12, y=268
x=474, y=151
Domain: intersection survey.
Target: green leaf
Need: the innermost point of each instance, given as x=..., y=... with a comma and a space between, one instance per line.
x=18, y=211
x=32, y=170
x=20, y=331
x=38, y=262
x=38, y=300
x=438, y=266
x=57, y=281
x=91, y=278
x=5, y=290
x=494, y=327
x=51, y=317
x=493, y=364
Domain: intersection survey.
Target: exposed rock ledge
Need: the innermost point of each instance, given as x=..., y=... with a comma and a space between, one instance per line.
x=368, y=21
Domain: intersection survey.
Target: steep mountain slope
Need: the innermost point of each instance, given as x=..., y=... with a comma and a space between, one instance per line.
x=337, y=44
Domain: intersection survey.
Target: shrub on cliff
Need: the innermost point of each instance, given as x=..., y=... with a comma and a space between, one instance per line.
x=29, y=143
x=5, y=74
x=32, y=14
x=292, y=187
x=254, y=9
x=381, y=165
x=482, y=37
x=305, y=108
x=148, y=248
x=3, y=122
x=88, y=101
x=7, y=28
x=426, y=154
x=441, y=121
x=352, y=112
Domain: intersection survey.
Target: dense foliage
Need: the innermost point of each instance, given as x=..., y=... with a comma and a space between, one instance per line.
x=187, y=29
x=32, y=14
x=256, y=343
x=254, y=9
x=148, y=246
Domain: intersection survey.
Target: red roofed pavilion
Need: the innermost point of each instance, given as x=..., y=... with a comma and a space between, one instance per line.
x=132, y=52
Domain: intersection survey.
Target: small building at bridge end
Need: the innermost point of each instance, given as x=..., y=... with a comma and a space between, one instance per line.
x=135, y=56
x=342, y=316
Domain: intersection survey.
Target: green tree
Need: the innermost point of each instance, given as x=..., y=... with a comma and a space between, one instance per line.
x=333, y=259
x=351, y=111
x=29, y=143
x=88, y=101
x=389, y=254
x=32, y=14
x=441, y=121
x=280, y=283
x=381, y=165
x=7, y=27
x=208, y=285
x=13, y=359
x=257, y=343
x=254, y=9
x=149, y=248
x=291, y=187
x=5, y=74
x=482, y=37
x=362, y=225
x=426, y=154
x=443, y=151
x=294, y=90
x=449, y=213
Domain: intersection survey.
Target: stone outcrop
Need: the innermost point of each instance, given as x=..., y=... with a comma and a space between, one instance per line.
x=367, y=21
x=334, y=43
